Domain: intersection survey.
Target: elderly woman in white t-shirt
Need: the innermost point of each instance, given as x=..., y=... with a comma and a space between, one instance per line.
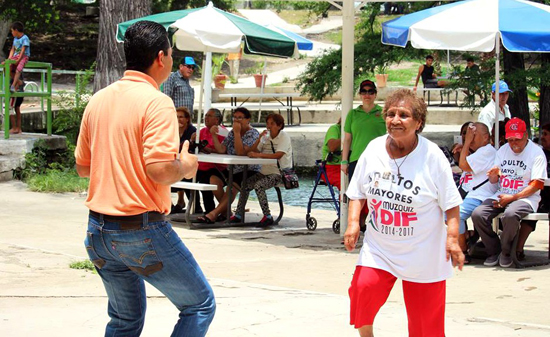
x=273, y=143
x=408, y=185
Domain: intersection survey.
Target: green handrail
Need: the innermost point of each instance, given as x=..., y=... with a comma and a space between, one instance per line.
x=5, y=93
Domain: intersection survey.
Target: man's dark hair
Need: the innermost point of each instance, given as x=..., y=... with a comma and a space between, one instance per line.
x=18, y=26
x=429, y=57
x=546, y=127
x=142, y=42
x=470, y=59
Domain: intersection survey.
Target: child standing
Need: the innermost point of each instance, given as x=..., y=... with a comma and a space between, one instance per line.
x=20, y=52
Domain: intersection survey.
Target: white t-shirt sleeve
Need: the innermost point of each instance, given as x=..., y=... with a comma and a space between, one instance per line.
x=539, y=168
x=448, y=195
x=480, y=161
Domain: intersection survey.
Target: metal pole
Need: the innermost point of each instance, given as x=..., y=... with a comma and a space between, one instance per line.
x=348, y=17
x=207, y=79
x=497, y=91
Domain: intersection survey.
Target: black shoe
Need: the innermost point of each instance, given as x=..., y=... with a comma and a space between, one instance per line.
x=265, y=222
x=177, y=209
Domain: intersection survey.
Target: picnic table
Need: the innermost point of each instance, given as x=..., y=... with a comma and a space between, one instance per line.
x=231, y=161
x=279, y=101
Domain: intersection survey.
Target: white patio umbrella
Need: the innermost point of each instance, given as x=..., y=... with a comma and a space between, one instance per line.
x=211, y=30
x=475, y=25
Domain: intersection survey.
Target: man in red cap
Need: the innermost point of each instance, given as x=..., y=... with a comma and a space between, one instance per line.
x=520, y=170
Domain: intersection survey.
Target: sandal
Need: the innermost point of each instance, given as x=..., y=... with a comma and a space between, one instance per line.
x=204, y=219
x=520, y=255
x=221, y=218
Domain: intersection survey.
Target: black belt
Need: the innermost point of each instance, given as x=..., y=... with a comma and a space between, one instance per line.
x=126, y=222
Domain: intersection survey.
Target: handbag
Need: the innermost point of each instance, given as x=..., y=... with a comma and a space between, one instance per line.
x=463, y=193
x=288, y=175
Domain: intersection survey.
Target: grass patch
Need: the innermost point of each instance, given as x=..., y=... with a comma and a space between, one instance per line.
x=84, y=264
x=55, y=181
x=402, y=77
x=296, y=17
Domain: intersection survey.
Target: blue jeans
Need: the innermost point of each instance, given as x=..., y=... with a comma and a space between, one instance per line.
x=466, y=209
x=152, y=253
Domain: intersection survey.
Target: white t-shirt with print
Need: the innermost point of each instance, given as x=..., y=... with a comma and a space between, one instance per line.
x=487, y=114
x=406, y=233
x=281, y=143
x=518, y=169
x=480, y=162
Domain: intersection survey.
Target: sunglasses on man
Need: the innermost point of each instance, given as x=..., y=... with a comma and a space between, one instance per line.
x=190, y=66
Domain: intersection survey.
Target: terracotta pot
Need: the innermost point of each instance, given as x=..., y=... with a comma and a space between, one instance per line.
x=258, y=78
x=381, y=80
x=219, y=81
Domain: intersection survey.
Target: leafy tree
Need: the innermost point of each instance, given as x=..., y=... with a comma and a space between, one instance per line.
x=160, y=6
x=34, y=14
x=322, y=76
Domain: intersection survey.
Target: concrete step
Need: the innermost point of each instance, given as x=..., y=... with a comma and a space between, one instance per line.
x=8, y=163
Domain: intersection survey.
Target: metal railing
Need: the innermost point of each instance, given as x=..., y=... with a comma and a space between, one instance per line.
x=45, y=91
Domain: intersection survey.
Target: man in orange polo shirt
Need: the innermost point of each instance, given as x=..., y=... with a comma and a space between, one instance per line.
x=128, y=147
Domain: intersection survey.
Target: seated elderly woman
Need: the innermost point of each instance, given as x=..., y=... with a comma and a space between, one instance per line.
x=273, y=143
x=406, y=182
x=209, y=173
x=239, y=141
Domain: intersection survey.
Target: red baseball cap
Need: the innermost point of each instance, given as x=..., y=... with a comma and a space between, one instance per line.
x=515, y=128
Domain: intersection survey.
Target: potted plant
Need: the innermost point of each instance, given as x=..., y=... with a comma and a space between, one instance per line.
x=381, y=75
x=257, y=71
x=218, y=76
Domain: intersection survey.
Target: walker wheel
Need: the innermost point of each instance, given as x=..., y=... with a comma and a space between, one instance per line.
x=336, y=226
x=311, y=223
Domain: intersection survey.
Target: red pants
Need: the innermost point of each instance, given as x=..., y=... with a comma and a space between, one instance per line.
x=425, y=302
x=333, y=174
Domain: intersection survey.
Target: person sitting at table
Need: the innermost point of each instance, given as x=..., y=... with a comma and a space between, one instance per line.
x=273, y=143
x=186, y=130
x=210, y=173
x=238, y=142
x=429, y=77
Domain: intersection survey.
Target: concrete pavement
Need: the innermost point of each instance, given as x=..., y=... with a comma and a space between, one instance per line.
x=285, y=281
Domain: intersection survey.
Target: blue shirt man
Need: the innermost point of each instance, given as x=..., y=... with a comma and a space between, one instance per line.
x=177, y=86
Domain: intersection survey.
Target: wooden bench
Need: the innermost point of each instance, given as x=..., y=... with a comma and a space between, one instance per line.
x=531, y=216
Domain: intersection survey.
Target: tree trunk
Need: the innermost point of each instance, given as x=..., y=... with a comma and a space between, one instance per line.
x=110, y=54
x=4, y=31
x=514, y=63
x=544, y=99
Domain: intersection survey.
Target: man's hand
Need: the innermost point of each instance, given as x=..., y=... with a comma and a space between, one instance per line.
x=493, y=174
x=503, y=200
x=470, y=133
x=189, y=161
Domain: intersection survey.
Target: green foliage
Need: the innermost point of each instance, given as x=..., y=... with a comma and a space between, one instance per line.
x=217, y=64
x=56, y=181
x=72, y=105
x=51, y=171
x=322, y=76
x=84, y=264
x=36, y=15
x=160, y=6
x=256, y=68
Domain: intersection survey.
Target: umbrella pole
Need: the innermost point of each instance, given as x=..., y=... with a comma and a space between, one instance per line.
x=199, y=114
x=497, y=93
x=262, y=90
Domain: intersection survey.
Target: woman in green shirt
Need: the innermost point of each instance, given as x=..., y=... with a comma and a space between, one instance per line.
x=363, y=124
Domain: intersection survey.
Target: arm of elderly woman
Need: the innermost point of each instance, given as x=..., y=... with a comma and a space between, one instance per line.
x=354, y=215
x=453, y=249
x=220, y=148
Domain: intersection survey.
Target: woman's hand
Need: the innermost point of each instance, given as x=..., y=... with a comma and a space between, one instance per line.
x=264, y=133
x=253, y=154
x=214, y=130
x=454, y=252
x=236, y=128
x=352, y=232
x=344, y=168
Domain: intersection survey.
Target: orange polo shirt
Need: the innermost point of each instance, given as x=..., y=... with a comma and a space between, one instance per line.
x=126, y=126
